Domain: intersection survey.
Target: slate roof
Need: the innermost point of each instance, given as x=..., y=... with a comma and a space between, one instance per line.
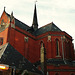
x=49, y=27
x=57, y=62
x=10, y=56
x=60, y=62
x=20, y=24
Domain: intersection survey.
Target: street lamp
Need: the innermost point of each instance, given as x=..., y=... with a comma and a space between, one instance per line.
x=4, y=67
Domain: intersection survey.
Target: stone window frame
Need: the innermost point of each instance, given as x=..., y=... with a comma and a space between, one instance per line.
x=57, y=47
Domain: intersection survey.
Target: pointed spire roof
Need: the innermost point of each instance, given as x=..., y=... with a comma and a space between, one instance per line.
x=11, y=16
x=35, y=22
x=4, y=9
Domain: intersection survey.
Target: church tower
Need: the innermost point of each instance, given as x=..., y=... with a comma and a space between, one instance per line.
x=35, y=22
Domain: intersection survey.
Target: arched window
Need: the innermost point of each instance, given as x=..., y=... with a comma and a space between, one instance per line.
x=57, y=47
x=1, y=41
x=42, y=44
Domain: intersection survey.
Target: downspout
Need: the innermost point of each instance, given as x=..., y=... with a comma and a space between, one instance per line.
x=43, y=59
x=63, y=50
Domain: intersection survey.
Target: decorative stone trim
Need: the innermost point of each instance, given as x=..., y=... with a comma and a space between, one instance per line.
x=63, y=38
x=3, y=27
x=12, y=25
x=26, y=39
x=49, y=38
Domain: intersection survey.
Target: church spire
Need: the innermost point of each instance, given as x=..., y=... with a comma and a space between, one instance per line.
x=35, y=22
x=4, y=9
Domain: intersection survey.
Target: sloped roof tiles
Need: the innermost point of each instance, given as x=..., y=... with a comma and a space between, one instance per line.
x=10, y=56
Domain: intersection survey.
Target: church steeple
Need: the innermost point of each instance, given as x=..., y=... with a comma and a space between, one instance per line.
x=4, y=9
x=35, y=22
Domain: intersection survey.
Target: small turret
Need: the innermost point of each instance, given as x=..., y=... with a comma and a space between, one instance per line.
x=4, y=9
x=11, y=16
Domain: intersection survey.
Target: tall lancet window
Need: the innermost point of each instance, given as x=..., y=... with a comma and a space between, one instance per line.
x=42, y=52
x=1, y=41
x=57, y=47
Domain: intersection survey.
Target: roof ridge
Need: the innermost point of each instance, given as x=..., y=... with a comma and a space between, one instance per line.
x=16, y=19
x=21, y=22
x=57, y=26
x=46, y=25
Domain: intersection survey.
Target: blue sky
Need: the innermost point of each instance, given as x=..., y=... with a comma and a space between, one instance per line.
x=61, y=12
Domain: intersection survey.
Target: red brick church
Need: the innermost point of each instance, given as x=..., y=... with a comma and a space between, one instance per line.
x=49, y=48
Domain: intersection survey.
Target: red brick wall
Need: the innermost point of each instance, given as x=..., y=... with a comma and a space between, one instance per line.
x=5, y=17
x=31, y=49
x=4, y=33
